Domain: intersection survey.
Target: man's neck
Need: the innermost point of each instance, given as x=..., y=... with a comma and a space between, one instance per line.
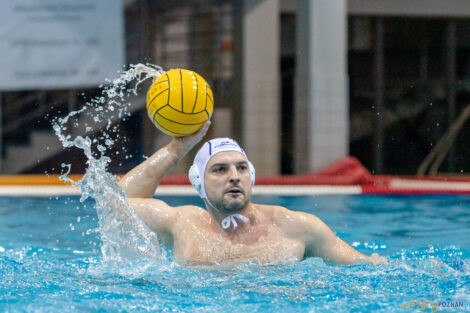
x=247, y=213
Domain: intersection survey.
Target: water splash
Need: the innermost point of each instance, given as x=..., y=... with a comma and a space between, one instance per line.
x=124, y=238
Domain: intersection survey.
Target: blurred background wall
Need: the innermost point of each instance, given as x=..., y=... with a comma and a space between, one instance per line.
x=300, y=84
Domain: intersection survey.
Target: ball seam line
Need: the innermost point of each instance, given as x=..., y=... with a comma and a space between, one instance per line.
x=163, y=81
x=150, y=103
x=210, y=98
x=182, y=91
x=172, y=132
x=197, y=91
x=178, y=122
x=205, y=105
x=185, y=112
x=153, y=117
x=169, y=88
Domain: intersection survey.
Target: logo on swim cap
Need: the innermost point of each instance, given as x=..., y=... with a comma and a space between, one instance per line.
x=227, y=143
x=205, y=153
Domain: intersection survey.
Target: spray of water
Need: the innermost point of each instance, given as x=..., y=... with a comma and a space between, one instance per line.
x=125, y=239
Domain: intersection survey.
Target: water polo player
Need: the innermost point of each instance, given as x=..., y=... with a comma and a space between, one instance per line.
x=233, y=229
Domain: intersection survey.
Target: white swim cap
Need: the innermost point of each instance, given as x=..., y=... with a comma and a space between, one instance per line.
x=205, y=153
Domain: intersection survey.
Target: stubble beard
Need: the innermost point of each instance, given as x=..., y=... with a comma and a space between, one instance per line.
x=226, y=206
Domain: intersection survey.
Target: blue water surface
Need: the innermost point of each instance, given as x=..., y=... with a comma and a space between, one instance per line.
x=50, y=261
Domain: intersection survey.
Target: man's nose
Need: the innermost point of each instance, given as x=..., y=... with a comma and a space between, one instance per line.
x=234, y=175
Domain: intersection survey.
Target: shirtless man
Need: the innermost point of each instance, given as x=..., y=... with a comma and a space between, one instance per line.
x=233, y=229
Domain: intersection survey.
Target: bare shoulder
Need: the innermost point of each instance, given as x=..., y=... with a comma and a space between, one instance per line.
x=192, y=211
x=271, y=212
x=158, y=215
x=294, y=223
x=282, y=215
x=156, y=203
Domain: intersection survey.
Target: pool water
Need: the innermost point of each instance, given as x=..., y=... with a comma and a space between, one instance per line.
x=50, y=261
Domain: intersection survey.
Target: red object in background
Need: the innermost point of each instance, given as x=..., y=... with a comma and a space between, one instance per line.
x=347, y=171
x=226, y=45
x=373, y=190
x=350, y=172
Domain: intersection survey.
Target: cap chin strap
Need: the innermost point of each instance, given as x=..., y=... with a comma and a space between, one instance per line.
x=231, y=220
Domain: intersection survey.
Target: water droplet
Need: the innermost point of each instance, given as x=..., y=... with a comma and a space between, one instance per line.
x=119, y=241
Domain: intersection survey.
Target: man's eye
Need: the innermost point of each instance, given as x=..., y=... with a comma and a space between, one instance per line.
x=219, y=169
x=242, y=167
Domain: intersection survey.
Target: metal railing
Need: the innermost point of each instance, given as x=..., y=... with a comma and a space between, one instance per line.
x=434, y=159
x=33, y=115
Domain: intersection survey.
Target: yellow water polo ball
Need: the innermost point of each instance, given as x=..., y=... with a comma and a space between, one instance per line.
x=179, y=102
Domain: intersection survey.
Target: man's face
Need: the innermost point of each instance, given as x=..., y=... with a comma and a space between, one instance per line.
x=227, y=181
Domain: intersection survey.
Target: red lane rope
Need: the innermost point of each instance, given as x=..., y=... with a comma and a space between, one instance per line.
x=373, y=190
x=350, y=172
x=345, y=172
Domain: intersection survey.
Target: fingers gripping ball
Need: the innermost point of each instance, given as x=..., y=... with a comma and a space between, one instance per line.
x=179, y=102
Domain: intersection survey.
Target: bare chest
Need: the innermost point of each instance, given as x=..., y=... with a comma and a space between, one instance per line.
x=204, y=247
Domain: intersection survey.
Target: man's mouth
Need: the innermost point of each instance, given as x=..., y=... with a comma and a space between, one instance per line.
x=234, y=191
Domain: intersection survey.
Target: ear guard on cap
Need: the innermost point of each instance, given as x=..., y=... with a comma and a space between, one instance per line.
x=197, y=181
x=252, y=173
x=195, y=178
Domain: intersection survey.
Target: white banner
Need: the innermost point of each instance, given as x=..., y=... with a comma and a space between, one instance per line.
x=59, y=43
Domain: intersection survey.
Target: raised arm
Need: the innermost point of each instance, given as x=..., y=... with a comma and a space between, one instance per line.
x=320, y=241
x=142, y=181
